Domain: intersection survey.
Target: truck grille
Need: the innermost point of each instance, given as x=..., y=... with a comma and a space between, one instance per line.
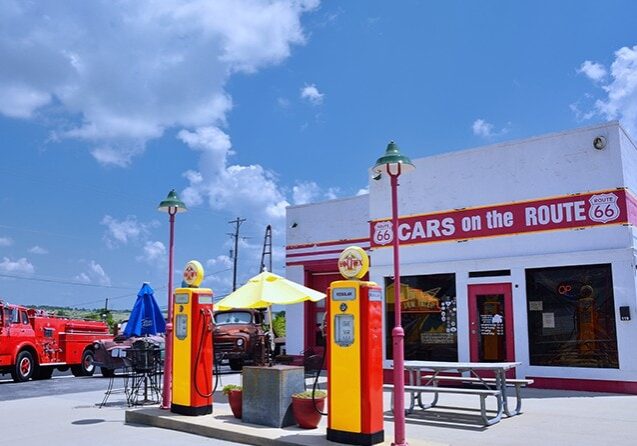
x=224, y=346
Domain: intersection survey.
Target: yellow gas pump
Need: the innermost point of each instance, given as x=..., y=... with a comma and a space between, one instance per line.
x=354, y=354
x=192, y=345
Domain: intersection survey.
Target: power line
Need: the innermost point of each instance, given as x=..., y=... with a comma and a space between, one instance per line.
x=160, y=288
x=61, y=282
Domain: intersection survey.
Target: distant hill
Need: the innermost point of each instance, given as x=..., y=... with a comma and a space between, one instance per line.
x=113, y=316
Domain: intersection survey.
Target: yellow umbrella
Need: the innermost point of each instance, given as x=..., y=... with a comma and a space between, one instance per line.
x=267, y=289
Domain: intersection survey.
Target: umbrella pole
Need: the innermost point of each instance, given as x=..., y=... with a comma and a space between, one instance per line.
x=271, y=330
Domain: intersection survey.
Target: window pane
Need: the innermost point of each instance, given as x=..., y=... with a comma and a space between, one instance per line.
x=428, y=316
x=571, y=314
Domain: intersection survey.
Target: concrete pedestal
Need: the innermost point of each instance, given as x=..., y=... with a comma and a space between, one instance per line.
x=267, y=394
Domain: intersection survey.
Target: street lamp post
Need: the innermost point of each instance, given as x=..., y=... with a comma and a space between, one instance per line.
x=172, y=205
x=393, y=164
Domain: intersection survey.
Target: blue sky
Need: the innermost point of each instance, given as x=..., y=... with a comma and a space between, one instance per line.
x=245, y=107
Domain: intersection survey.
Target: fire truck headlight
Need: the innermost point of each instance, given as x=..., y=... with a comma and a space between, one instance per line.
x=239, y=342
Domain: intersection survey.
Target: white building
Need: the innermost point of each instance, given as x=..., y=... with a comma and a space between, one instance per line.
x=522, y=251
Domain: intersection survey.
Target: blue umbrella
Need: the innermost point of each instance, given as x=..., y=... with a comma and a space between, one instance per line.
x=146, y=317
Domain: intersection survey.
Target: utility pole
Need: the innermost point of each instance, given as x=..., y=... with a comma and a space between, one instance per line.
x=237, y=225
x=267, y=249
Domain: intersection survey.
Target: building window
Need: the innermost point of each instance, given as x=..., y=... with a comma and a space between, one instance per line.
x=428, y=310
x=571, y=314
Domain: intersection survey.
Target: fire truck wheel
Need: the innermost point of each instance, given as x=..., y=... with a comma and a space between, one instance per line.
x=106, y=372
x=23, y=368
x=43, y=373
x=86, y=367
x=235, y=364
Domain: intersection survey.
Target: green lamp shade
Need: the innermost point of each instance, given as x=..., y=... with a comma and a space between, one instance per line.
x=172, y=201
x=392, y=158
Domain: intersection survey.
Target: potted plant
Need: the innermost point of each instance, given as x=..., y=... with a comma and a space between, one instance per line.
x=307, y=408
x=234, y=394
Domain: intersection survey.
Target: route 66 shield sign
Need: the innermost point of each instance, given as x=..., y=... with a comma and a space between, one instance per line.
x=604, y=208
x=383, y=233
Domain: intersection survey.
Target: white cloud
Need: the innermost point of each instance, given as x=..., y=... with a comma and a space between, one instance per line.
x=154, y=252
x=312, y=94
x=219, y=262
x=94, y=274
x=310, y=192
x=121, y=74
x=38, y=250
x=482, y=128
x=304, y=193
x=363, y=191
x=283, y=102
x=20, y=101
x=621, y=91
x=124, y=231
x=485, y=129
x=21, y=266
x=593, y=70
x=242, y=190
x=6, y=241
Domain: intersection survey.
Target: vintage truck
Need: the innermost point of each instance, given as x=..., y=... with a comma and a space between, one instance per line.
x=239, y=337
x=33, y=343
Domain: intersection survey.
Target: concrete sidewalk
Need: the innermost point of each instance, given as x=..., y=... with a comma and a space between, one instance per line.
x=549, y=417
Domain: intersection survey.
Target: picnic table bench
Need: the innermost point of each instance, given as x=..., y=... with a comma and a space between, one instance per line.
x=482, y=393
x=495, y=387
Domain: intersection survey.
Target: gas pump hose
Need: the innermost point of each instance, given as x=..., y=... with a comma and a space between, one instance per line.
x=198, y=357
x=316, y=378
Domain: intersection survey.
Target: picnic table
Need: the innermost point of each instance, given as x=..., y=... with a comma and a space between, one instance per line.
x=425, y=377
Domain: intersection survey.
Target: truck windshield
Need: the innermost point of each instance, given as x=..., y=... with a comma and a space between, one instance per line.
x=233, y=317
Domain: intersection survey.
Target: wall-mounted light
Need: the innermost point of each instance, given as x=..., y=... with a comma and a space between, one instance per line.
x=599, y=142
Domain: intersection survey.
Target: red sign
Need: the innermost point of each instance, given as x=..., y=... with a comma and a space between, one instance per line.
x=567, y=212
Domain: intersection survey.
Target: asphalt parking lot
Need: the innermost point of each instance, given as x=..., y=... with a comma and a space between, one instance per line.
x=64, y=410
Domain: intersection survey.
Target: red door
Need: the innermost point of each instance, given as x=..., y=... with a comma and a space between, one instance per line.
x=315, y=311
x=491, y=323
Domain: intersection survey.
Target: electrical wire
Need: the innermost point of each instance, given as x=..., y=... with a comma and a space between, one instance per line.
x=60, y=281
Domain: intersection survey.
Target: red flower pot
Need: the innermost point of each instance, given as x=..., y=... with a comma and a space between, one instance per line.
x=304, y=412
x=235, y=398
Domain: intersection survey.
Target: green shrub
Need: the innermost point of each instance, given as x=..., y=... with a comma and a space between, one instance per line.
x=227, y=388
x=308, y=394
x=278, y=324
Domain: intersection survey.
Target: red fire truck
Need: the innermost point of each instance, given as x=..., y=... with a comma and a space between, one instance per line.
x=33, y=343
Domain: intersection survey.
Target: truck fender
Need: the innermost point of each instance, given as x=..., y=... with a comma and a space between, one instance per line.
x=25, y=346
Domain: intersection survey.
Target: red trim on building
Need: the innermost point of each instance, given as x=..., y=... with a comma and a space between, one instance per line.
x=588, y=385
x=328, y=243
x=578, y=211
x=316, y=253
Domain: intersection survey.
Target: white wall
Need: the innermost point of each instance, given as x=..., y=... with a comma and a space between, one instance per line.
x=554, y=164
x=294, y=316
x=623, y=267
x=329, y=220
x=333, y=220
x=540, y=167
x=629, y=160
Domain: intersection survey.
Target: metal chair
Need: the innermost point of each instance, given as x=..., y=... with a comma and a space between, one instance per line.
x=146, y=370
